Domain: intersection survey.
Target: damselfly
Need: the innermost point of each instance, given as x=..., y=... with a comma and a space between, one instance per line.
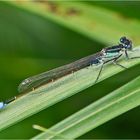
x=106, y=55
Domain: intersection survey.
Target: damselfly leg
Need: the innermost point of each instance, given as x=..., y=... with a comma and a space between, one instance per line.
x=127, y=56
x=114, y=61
x=99, y=73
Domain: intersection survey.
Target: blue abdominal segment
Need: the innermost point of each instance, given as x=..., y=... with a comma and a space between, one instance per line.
x=6, y=102
x=2, y=105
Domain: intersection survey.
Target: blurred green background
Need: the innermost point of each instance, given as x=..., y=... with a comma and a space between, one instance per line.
x=31, y=44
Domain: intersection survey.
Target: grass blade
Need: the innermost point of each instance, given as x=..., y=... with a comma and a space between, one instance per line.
x=99, y=112
x=91, y=21
x=58, y=90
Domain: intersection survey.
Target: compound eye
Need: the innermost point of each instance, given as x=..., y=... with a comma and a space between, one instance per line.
x=123, y=39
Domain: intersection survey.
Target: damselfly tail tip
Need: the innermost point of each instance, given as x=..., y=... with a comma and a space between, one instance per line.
x=6, y=102
x=2, y=105
x=10, y=100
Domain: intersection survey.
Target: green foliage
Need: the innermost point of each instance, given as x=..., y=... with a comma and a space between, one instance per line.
x=38, y=36
x=106, y=108
x=91, y=21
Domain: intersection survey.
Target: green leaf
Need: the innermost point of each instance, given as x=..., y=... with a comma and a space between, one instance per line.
x=118, y=102
x=54, y=92
x=94, y=22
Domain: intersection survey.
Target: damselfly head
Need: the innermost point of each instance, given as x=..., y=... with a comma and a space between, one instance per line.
x=127, y=44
